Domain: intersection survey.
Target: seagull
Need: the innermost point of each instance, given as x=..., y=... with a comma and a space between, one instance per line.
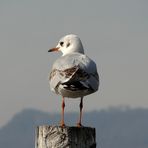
x=74, y=74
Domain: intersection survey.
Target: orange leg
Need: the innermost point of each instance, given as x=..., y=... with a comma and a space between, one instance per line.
x=63, y=106
x=80, y=118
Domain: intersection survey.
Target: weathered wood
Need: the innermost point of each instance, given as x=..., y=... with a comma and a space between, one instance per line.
x=65, y=137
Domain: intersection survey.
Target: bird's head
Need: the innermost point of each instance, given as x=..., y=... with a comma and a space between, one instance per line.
x=68, y=44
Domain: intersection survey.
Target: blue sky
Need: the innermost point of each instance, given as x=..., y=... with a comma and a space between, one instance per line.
x=114, y=33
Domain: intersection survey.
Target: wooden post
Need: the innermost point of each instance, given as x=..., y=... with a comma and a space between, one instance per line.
x=65, y=137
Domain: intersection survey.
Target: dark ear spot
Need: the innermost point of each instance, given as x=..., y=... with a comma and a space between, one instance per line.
x=68, y=44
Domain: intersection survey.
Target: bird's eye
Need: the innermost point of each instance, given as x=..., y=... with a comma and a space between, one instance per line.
x=61, y=43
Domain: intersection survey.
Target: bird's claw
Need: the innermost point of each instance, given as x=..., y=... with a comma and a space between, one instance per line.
x=79, y=124
x=62, y=124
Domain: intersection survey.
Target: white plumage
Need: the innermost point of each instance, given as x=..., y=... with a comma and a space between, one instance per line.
x=73, y=74
x=73, y=68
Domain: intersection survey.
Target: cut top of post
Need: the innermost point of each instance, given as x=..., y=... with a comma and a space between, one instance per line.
x=65, y=137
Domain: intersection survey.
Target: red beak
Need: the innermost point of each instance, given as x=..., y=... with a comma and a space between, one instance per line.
x=53, y=49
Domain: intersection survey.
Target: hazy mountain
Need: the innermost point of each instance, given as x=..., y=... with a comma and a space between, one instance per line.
x=116, y=128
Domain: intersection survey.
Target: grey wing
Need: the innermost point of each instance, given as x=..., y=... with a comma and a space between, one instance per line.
x=74, y=78
x=58, y=77
x=79, y=71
